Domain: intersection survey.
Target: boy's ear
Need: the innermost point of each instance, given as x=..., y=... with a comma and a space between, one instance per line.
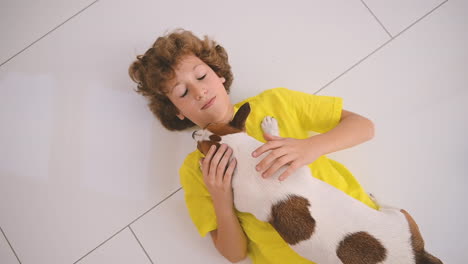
x=241, y=116
x=180, y=116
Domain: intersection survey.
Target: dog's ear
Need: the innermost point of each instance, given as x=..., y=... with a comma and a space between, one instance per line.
x=241, y=116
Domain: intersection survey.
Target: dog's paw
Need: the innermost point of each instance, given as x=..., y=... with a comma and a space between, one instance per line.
x=270, y=126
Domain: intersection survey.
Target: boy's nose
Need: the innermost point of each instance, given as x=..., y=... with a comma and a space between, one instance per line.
x=201, y=92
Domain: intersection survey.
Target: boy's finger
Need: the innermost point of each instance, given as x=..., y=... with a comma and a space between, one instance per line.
x=216, y=160
x=230, y=171
x=274, y=168
x=222, y=166
x=288, y=172
x=269, y=137
x=265, y=147
x=271, y=158
x=211, y=151
x=207, y=160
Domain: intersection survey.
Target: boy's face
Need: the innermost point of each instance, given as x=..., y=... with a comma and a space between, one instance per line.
x=199, y=94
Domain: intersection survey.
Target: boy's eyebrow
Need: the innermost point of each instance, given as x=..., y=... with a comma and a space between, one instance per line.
x=197, y=66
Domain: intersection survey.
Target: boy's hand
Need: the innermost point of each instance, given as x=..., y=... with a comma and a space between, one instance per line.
x=286, y=151
x=217, y=172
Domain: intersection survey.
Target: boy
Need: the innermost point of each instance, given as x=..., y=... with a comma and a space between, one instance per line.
x=187, y=82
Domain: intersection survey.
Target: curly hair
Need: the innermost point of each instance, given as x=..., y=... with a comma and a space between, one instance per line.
x=155, y=68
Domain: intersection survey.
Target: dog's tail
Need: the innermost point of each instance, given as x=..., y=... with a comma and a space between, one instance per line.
x=421, y=256
x=427, y=258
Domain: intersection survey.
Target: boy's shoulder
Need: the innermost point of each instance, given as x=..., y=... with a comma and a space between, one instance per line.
x=192, y=159
x=275, y=91
x=278, y=92
x=189, y=172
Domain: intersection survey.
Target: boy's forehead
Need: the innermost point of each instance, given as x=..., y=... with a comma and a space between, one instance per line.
x=180, y=70
x=188, y=66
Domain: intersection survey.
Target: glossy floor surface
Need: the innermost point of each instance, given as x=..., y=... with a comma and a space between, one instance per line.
x=88, y=175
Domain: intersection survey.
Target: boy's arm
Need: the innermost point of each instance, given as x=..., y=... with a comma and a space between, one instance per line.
x=352, y=130
x=229, y=237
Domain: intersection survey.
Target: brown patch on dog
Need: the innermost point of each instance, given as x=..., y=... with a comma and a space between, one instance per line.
x=215, y=138
x=361, y=248
x=417, y=242
x=291, y=218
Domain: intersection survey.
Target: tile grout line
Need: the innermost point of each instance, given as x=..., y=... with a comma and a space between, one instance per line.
x=141, y=245
x=169, y=196
x=379, y=48
x=352, y=67
x=128, y=225
x=118, y=232
x=14, y=252
x=21, y=51
x=421, y=18
x=381, y=24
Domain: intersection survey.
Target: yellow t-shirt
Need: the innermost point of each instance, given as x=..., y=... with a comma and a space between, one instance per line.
x=297, y=114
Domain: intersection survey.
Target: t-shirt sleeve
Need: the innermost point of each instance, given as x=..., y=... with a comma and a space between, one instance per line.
x=197, y=198
x=316, y=113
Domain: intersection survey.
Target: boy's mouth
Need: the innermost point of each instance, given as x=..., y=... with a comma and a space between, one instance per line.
x=209, y=103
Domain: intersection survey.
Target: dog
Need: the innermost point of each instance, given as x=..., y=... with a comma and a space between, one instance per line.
x=318, y=221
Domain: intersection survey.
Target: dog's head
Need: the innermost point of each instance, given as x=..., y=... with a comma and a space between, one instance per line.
x=213, y=133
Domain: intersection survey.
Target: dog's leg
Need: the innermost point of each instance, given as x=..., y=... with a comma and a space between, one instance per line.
x=270, y=126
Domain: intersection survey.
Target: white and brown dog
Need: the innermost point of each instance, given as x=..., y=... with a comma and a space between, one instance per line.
x=318, y=221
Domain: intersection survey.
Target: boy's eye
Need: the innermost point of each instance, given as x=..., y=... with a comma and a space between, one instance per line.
x=201, y=78
x=185, y=93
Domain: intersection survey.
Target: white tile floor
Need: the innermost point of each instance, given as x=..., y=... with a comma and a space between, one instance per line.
x=85, y=169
